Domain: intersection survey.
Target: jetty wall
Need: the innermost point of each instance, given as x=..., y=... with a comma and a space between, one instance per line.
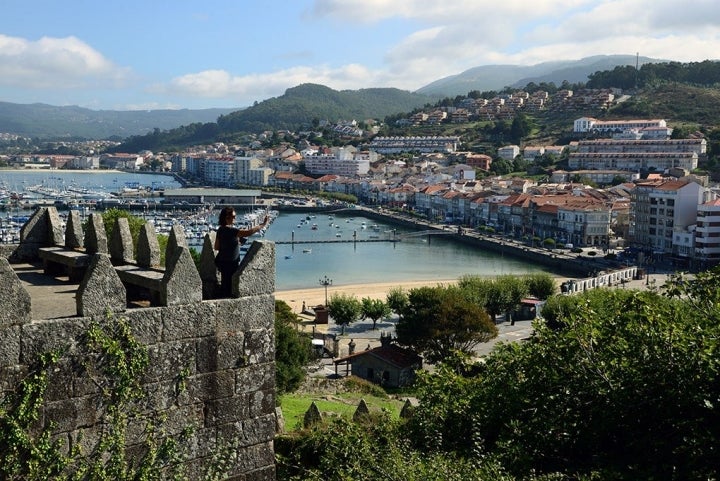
x=210, y=379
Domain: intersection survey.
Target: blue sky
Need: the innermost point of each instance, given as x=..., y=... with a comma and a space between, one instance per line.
x=154, y=54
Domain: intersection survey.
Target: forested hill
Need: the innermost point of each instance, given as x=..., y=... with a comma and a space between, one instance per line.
x=299, y=108
x=72, y=122
x=307, y=103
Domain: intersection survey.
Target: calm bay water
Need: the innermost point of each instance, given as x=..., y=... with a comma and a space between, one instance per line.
x=413, y=259
x=17, y=180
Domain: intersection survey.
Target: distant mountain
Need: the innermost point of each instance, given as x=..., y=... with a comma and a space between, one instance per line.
x=497, y=77
x=300, y=106
x=48, y=121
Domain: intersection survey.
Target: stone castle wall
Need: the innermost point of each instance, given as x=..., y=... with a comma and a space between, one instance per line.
x=220, y=350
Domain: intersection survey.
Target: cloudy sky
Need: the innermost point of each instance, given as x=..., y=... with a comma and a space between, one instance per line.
x=150, y=54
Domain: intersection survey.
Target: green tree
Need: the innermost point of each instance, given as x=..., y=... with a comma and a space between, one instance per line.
x=631, y=378
x=496, y=296
x=344, y=309
x=440, y=320
x=397, y=300
x=541, y=285
x=501, y=167
x=374, y=309
x=292, y=350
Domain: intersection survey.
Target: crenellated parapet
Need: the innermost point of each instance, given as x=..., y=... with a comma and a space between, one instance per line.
x=211, y=369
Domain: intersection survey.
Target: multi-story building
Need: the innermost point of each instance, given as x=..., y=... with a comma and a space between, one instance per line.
x=661, y=207
x=587, y=224
x=243, y=166
x=638, y=155
x=220, y=171
x=707, y=234
x=589, y=124
x=342, y=163
x=396, y=145
x=508, y=152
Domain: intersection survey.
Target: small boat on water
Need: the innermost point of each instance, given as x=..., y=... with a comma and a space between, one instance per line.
x=307, y=251
x=288, y=256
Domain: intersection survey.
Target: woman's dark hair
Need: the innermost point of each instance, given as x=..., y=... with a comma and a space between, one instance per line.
x=225, y=214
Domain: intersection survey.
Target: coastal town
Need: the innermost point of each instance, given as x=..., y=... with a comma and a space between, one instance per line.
x=628, y=184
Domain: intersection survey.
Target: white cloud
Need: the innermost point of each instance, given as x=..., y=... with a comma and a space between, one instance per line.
x=248, y=88
x=58, y=63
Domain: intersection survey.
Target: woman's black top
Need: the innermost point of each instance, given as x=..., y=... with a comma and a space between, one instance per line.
x=229, y=245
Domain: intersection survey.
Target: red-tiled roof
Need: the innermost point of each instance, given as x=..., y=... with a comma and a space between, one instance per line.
x=392, y=354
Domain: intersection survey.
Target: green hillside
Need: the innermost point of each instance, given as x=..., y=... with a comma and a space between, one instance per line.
x=72, y=122
x=674, y=102
x=300, y=106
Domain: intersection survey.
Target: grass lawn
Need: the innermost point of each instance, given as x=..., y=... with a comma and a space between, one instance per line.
x=343, y=404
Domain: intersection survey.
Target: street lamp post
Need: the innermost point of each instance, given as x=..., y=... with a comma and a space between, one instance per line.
x=325, y=281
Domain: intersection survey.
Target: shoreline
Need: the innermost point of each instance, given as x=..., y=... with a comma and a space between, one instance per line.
x=314, y=296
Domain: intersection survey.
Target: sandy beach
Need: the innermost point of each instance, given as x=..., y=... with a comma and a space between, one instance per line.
x=316, y=295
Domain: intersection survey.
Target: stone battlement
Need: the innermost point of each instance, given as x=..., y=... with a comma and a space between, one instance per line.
x=223, y=349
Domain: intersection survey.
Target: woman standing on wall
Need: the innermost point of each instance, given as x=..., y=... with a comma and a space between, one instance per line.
x=227, y=242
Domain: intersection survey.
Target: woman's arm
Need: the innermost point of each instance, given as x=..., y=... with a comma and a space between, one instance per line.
x=253, y=230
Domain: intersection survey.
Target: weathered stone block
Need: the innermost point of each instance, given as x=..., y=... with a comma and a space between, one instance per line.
x=15, y=301
x=189, y=321
x=255, y=458
x=224, y=411
x=221, y=352
x=250, y=431
x=181, y=283
x=60, y=381
x=96, y=238
x=176, y=239
x=55, y=227
x=245, y=313
x=49, y=335
x=35, y=229
x=256, y=274
x=71, y=414
x=261, y=402
x=74, y=238
x=101, y=290
x=213, y=385
x=256, y=377
x=169, y=359
x=260, y=346
x=148, y=251
x=10, y=350
x=146, y=324
x=121, y=243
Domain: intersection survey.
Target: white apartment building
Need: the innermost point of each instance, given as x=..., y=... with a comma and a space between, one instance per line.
x=509, y=152
x=220, y=171
x=590, y=124
x=260, y=176
x=660, y=208
x=587, y=225
x=633, y=161
x=243, y=166
x=343, y=163
x=707, y=234
x=423, y=144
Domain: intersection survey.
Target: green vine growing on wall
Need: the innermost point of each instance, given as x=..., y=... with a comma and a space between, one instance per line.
x=116, y=363
x=26, y=453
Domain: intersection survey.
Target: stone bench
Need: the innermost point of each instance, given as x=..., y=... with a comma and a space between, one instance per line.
x=141, y=282
x=61, y=261
x=67, y=253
